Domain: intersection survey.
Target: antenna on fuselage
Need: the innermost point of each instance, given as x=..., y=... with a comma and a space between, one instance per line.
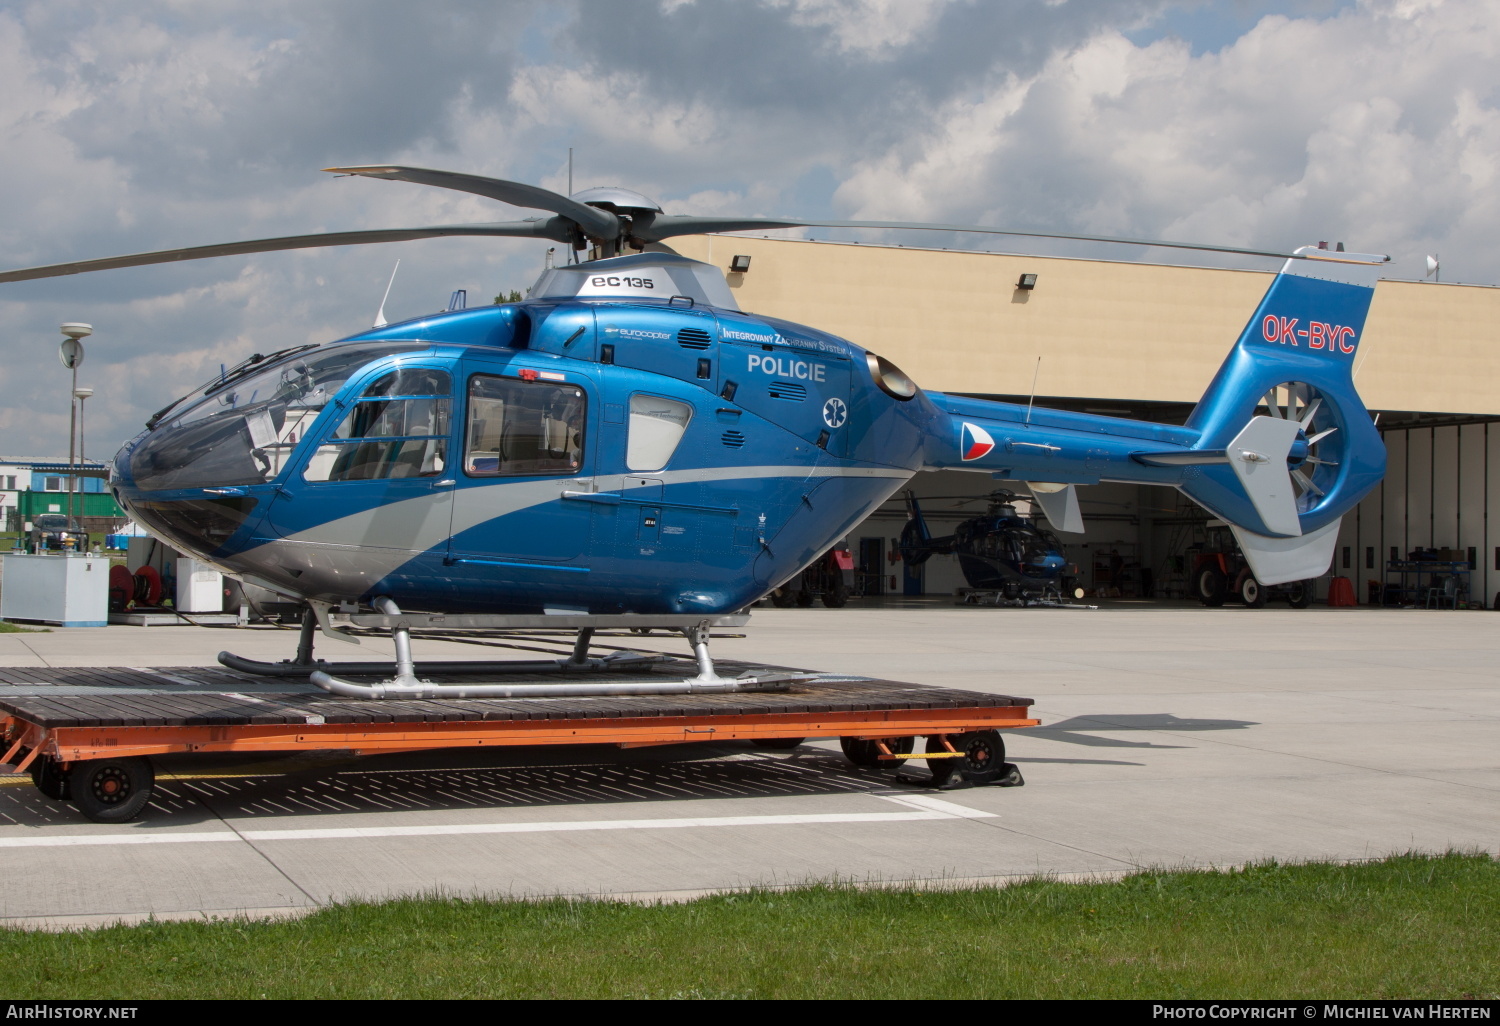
x=1032, y=401
x=380, y=320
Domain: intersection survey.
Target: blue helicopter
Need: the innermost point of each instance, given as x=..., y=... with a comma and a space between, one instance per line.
x=1005, y=558
x=627, y=442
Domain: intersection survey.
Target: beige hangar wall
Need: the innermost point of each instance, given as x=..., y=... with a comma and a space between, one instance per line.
x=955, y=322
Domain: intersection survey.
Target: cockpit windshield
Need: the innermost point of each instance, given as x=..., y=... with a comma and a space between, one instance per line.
x=245, y=433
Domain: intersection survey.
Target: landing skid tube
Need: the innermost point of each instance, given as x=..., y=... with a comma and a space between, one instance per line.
x=404, y=682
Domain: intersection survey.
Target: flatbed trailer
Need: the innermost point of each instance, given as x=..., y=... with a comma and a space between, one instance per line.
x=87, y=734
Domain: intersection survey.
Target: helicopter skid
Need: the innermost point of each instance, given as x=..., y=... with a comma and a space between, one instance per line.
x=414, y=688
x=623, y=661
x=404, y=682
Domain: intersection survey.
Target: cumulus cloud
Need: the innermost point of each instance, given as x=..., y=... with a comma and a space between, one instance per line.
x=172, y=123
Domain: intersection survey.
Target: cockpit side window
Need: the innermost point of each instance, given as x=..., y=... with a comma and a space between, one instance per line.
x=398, y=427
x=245, y=429
x=522, y=428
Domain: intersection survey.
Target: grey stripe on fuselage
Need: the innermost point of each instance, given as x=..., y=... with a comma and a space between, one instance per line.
x=423, y=523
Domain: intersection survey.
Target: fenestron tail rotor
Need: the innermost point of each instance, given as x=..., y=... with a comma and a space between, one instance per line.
x=1312, y=461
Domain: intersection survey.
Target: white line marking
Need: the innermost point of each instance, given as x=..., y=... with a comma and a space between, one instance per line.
x=926, y=809
x=928, y=803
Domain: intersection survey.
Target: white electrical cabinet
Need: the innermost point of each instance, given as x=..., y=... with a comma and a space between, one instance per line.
x=200, y=588
x=66, y=589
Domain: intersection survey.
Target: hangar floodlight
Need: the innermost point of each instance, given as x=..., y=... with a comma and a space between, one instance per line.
x=739, y=263
x=1026, y=282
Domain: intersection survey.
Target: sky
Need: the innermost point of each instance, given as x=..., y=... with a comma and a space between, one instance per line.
x=164, y=123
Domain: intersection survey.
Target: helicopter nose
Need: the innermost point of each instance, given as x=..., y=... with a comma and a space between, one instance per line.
x=200, y=521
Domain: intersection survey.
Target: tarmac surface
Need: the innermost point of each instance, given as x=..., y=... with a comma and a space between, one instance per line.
x=1172, y=736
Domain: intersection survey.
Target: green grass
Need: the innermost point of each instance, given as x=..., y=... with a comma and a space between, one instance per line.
x=1408, y=926
x=7, y=627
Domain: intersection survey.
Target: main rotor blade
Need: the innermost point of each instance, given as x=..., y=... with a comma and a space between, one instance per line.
x=552, y=228
x=666, y=226
x=597, y=223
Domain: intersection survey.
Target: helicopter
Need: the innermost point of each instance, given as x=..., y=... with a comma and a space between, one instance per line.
x=627, y=442
x=1001, y=554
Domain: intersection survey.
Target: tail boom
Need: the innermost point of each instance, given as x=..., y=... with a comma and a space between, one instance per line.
x=1280, y=446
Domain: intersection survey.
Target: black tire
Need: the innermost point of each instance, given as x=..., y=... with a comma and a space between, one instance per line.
x=805, y=598
x=1252, y=592
x=1299, y=594
x=867, y=753
x=983, y=761
x=111, y=790
x=782, y=599
x=49, y=779
x=777, y=743
x=1211, y=587
x=837, y=596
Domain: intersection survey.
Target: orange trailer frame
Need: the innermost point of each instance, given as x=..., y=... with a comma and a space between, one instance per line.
x=67, y=745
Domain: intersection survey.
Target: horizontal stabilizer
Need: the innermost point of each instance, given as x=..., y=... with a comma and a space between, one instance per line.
x=1060, y=506
x=1258, y=458
x=1282, y=560
x=1181, y=458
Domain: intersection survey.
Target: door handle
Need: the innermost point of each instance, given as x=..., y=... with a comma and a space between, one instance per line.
x=447, y=482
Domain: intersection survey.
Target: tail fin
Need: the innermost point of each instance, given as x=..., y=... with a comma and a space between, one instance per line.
x=1285, y=445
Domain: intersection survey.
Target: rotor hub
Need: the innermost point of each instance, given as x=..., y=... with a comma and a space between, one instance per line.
x=617, y=200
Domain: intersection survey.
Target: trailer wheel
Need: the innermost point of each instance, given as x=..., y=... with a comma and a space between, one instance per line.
x=782, y=599
x=1299, y=594
x=111, y=790
x=777, y=742
x=805, y=598
x=1252, y=592
x=837, y=596
x=867, y=753
x=983, y=761
x=49, y=779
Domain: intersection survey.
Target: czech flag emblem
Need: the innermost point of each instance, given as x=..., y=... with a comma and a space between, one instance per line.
x=975, y=441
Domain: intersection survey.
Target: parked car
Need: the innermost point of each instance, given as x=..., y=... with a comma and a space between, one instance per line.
x=56, y=532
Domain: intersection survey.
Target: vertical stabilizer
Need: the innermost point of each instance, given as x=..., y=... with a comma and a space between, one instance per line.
x=1285, y=446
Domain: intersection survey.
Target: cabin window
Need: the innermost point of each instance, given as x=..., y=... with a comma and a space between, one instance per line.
x=519, y=428
x=398, y=427
x=656, y=426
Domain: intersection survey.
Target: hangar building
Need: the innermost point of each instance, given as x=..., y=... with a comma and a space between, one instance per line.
x=1143, y=340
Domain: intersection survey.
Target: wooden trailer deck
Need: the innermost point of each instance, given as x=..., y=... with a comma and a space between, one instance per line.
x=59, y=721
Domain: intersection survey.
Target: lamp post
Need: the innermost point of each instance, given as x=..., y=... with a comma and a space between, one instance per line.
x=71, y=355
x=81, y=393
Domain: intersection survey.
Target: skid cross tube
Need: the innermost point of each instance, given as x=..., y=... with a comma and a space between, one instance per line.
x=404, y=681
x=406, y=684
